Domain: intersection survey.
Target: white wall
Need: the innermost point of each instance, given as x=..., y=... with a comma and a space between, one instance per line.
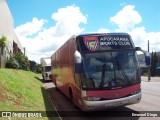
x=7, y=26
x=7, y=30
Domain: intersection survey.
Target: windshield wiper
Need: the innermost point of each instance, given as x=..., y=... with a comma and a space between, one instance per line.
x=123, y=72
x=103, y=75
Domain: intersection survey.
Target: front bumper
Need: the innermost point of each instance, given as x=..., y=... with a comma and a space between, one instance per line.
x=107, y=104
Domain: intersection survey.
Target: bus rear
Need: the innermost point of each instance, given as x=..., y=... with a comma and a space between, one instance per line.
x=109, y=71
x=46, y=68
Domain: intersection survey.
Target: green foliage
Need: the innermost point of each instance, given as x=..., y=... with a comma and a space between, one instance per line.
x=154, y=61
x=22, y=60
x=12, y=63
x=18, y=61
x=32, y=66
x=3, y=41
x=39, y=68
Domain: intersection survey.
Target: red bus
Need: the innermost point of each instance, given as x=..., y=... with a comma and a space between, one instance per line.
x=98, y=71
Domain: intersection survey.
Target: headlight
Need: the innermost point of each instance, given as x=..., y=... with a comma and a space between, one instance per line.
x=91, y=98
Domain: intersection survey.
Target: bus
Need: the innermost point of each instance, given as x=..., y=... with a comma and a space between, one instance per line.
x=98, y=71
x=46, y=68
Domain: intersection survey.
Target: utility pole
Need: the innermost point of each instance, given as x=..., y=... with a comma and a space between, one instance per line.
x=148, y=45
x=149, y=71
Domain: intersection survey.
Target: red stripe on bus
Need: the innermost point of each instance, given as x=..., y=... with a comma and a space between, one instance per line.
x=90, y=38
x=111, y=94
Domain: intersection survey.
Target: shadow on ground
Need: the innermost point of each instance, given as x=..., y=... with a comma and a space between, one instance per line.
x=51, y=113
x=38, y=78
x=41, y=80
x=68, y=111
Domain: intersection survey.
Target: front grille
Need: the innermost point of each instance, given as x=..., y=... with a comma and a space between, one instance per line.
x=103, y=99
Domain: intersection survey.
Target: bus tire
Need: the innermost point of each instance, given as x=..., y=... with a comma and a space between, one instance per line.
x=55, y=83
x=43, y=79
x=71, y=95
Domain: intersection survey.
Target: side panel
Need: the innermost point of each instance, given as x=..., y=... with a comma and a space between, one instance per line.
x=76, y=85
x=63, y=68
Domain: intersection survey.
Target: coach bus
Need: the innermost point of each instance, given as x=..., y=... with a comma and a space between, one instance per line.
x=98, y=71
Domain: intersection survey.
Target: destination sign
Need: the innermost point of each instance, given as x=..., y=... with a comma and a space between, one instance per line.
x=114, y=41
x=106, y=42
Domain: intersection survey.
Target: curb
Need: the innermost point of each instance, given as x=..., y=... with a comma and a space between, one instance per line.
x=51, y=101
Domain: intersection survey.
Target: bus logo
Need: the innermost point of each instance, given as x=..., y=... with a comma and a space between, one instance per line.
x=91, y=42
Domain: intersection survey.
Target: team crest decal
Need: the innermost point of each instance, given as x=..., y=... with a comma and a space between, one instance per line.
x=92, y=43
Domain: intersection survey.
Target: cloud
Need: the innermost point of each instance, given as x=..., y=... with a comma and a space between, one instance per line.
x=103, y=30
x=40, y=42
x=30, y=28
x=68, y=20
x=141, y=37
x=126, y=18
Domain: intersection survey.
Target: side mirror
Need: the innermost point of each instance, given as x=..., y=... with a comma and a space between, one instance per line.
x=148, y=58
x=138, y=49
x=78, y=62
x=146, y=54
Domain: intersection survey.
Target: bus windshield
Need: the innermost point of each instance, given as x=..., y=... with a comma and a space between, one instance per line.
x=47, y=68
x=110, y=69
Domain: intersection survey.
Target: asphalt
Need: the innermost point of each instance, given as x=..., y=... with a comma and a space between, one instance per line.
x=152, y=79
x=148, y=104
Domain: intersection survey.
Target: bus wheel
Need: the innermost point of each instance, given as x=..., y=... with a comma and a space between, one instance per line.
x=55, y=83
x=43, y=79
x=71, y=95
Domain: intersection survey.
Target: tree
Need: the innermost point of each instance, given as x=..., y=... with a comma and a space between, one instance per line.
x=18, y=60
x=3, y=41
x=154, y=61
x=39, y=68
x=32, y=66
x=22, y=60
x=12, y=63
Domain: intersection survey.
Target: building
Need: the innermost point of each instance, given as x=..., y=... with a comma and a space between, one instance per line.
x=7, y=30
x=141, y=59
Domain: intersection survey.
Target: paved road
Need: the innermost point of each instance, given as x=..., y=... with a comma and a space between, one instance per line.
x=150, y=102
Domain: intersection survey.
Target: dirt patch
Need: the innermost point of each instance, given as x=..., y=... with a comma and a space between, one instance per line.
x=17, y=101
x=4, y=96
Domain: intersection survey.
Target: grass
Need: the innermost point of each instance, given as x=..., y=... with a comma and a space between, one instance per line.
x=22, y=91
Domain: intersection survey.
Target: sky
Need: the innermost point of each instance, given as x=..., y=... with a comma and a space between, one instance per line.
x=43, y=26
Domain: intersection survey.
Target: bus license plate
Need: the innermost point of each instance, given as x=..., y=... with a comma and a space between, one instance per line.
x=117, y=103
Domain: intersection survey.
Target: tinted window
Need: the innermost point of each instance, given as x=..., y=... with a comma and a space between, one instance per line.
x=47, y=68
x=108, y=70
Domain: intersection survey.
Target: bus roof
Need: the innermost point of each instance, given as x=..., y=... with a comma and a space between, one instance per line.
x=97, y=34
x=46, y=61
